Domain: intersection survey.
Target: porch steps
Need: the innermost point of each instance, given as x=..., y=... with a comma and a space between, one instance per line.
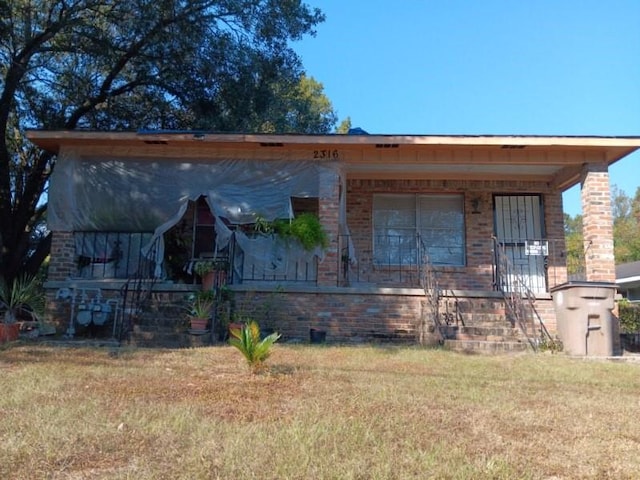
x=163, y=326
x=485, y=346
x=482, y=326
x=158, y=337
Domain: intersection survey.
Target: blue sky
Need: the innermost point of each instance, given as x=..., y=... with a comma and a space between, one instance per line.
x=484, y=67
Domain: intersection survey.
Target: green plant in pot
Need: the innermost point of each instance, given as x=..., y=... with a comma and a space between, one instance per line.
x=200, y=309
x=22, y=300
x=305, y=228
x=203, y=267
x=207, y=271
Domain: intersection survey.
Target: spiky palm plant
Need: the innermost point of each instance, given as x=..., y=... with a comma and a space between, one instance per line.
x=255, y=350
x=23, y=296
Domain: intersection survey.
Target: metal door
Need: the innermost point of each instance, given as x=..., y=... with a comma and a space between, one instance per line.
x=519, y=229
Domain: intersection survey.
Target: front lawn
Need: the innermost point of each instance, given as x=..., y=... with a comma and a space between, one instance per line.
x=319, y=412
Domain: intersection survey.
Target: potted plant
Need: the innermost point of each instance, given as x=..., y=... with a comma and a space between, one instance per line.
x=19, y=301
x=213, y=272
x=200, y=309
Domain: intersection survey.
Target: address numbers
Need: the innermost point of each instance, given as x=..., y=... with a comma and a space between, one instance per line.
x=326, y=154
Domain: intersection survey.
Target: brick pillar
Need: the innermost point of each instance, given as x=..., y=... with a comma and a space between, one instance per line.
x=597, y=223
x=329, y=193
x=62, y=263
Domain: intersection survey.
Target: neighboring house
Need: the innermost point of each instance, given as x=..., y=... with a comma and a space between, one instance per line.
x=428, y=235
x=628, y=281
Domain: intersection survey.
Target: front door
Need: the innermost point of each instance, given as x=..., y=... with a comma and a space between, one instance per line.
x=519, y=229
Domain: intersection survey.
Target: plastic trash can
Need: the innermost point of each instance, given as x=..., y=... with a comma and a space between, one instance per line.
x=586, y=324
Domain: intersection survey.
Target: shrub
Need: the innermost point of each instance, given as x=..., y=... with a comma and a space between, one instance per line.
x=629, y=317
x=255, y=350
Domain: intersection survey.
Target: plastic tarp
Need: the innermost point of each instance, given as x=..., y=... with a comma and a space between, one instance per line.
x=140, y=194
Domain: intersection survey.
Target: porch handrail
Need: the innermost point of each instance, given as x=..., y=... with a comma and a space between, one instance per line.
x=429, y=283
x=519, y=298
x=134, y=295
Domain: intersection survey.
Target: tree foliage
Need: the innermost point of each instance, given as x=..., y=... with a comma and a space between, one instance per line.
x=222, y=65
x=626, y=226
x=574, y=244
x=626, y=231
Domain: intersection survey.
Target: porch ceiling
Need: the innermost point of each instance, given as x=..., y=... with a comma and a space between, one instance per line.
x=557, y=160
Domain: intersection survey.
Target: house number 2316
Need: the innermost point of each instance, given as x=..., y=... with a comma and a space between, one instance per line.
x=320, y=154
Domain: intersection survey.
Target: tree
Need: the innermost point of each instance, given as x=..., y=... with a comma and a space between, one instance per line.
x=344, y=126
x=626, y=231
x=222, y=65
x=574, y=244
x=626, y=227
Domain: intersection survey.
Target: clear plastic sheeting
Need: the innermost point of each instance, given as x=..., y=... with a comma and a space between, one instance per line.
x=269, y=257
x=110, y=254
x=139, y=194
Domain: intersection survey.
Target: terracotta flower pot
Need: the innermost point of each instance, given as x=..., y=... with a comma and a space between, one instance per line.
x=9, y=332
x=235, y=326
x=216, y=278
x=199, y=323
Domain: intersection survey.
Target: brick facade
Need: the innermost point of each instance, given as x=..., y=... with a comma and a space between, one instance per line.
x=477, y=274
x=351, y=316
x=369, y=313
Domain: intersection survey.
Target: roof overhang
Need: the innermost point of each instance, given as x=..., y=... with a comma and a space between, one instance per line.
x=557, y=160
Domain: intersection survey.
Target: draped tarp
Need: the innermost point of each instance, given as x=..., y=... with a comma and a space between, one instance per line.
x=152, y=195
x=138, y=194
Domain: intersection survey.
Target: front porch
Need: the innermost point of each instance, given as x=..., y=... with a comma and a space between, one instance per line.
x=370, y=302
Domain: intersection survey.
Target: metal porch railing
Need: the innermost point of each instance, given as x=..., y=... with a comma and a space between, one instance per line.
x=519, y=297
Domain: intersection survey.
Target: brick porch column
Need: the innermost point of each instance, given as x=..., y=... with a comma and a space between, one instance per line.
x=62, y=263
x=329, y=193
x=597, y=223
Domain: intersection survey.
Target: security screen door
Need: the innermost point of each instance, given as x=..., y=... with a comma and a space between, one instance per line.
x=518, y=227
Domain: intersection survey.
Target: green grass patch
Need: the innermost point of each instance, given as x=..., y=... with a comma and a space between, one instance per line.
x=317, y=412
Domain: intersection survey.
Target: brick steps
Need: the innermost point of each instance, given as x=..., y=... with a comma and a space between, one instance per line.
x=164, y=325
x=482, y=327
x=162, y=337
x=484, y=346
x=481, y=332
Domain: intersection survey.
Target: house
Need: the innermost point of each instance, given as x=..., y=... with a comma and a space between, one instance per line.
x=431, y=238
x=628, y=280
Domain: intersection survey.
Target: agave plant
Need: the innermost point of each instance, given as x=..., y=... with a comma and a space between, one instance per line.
x=22, y=297
x=255, y=350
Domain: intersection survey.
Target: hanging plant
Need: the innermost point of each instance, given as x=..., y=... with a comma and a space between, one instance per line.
x=306, y=228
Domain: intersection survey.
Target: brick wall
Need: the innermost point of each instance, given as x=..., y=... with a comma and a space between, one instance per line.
x=479, y=226
x=349, y=316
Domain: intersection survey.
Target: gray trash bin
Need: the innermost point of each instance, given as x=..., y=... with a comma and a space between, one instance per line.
x=586, y=324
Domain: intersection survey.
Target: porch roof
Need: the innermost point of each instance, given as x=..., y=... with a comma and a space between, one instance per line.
x=557, y=160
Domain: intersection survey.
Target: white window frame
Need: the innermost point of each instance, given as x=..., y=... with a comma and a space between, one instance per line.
x=395, y=238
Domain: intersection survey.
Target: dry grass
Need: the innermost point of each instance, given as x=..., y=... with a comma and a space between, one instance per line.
x=321, y=412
